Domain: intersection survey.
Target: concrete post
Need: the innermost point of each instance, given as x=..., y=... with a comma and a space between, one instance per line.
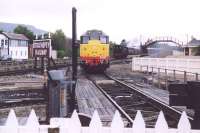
x=174, y=73
x=166, y=79
x=158, y=77
x=185, y=76
x=197, y=78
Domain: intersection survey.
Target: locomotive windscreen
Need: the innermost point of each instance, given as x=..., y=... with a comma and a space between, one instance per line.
x=85, y=39
x=94, y=35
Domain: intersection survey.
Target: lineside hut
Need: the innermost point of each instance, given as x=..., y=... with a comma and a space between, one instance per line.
x=192, y=48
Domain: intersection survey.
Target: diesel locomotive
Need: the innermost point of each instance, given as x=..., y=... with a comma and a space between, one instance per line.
x=94, y=51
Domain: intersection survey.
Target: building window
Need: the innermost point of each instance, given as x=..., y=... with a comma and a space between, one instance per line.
x=16, y=53
x=6, y=42
x=2, y=42
x=14, y=43
x=19, y=43
x=11, y=52
x=23, y=43
x=25, y=53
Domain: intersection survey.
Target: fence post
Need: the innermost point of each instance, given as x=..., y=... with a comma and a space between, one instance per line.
x=185, y=76
x=166, y=79
x=32, y=124
x=161, y=124
x=133, y=64
x=95, y=123
x=147, y=69
x=75, y=125
x=197, y=78
x=152, y=75
x=174, y=73
x=138, y=124
x=184, y=124
x=11, y=123
x=117, y=124
x=158, y=77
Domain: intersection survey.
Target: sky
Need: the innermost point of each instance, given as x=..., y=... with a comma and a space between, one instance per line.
x=120, y=19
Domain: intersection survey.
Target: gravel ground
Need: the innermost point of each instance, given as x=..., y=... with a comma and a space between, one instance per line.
x=27, y=81
x=23, y=82
x=22, y=113
x=117, y=70
x=124, y=71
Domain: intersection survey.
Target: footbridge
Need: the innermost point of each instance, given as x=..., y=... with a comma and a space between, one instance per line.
x=152, y=41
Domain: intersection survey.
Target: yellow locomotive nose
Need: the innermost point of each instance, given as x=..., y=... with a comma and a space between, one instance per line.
x=94, y=52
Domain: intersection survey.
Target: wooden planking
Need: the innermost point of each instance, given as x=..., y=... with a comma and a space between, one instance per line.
x=90, y=98
x=160, y=94
x=163, y=96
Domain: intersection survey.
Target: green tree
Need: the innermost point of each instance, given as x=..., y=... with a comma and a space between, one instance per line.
x=24, y=30
x=61, y=53
x=61, y=43
x=1, y=30
x=123, y=43
x=58, y=40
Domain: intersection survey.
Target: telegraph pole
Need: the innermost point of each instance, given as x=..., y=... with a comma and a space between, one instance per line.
x=74, y=46
x=74, y=57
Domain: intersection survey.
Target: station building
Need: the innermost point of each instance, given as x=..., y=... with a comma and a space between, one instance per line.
x=191, y=49
x=14, y=46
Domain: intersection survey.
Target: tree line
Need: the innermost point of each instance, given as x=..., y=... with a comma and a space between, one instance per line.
x=59, y=41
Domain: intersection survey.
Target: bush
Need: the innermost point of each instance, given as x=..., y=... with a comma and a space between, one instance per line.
x=61, y=53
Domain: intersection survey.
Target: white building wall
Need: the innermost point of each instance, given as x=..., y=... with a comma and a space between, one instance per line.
x=18, y=49
x=19, y=52
x=54, y=54
x=3, y=47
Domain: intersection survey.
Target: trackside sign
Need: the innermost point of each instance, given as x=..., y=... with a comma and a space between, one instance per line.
x=41, y=48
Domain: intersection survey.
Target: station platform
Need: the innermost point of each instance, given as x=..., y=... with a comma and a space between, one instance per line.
x=90, y=98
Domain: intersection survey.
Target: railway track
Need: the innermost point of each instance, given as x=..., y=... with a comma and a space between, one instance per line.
x=14, y=98
x=129, y=99
x=29, y=70
x=13, y=68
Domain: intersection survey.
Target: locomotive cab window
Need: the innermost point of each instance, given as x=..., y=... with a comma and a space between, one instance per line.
x=104, y=39
x=84, y=39
x=94, y=35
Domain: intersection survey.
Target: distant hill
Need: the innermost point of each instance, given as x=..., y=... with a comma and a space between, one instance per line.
x=9, y=27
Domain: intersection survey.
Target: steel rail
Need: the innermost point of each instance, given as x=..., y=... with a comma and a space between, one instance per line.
x=114, y=103
x=157, y=103
x=23, y=70
x=10, y=98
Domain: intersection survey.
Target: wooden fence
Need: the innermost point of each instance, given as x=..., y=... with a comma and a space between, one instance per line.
x=72, y=125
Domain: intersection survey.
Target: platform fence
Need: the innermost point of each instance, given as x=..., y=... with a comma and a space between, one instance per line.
x=189, y=65
x=185, y=69
x=72, y=125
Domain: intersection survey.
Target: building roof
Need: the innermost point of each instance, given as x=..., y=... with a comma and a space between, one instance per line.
x=194, y=43
x=15, y=36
